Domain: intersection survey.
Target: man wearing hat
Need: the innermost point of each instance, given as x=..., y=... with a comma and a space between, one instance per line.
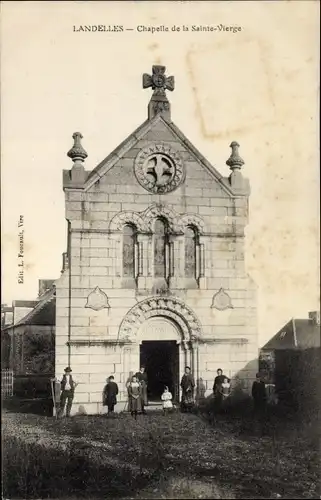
x=67, y=387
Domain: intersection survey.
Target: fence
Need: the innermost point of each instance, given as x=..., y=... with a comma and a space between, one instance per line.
x=6, y=383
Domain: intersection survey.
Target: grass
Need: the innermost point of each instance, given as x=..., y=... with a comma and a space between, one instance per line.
x=179, y=456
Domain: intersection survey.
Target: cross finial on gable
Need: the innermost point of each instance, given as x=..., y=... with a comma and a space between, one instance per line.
x=159, y=82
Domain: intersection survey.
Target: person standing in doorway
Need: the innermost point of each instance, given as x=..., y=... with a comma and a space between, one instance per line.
x=143, y=380
x=187, y=385
x=110, y=394
x=67, y=386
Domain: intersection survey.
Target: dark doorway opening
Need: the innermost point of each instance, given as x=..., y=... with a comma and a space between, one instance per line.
x=161, y=361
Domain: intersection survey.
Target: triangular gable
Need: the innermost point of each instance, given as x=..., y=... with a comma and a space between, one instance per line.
x=284, y=339
x=139, y=134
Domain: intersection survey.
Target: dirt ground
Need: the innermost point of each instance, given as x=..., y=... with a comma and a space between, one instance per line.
x=178, y=456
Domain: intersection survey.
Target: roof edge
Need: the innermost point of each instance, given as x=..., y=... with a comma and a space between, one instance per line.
x=109, y=161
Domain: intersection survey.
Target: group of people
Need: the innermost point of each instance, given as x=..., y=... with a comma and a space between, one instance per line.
x=137, y=392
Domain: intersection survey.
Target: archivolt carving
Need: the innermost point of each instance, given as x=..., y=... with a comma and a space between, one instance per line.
x=169, y=307
x=122, y=218
x=144, y=221
x=192, y=220
x=159, y=210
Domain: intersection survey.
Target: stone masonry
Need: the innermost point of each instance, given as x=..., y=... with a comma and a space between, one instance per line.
x=103, y=314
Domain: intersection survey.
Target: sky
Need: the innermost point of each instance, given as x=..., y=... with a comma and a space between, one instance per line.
x=258, y=86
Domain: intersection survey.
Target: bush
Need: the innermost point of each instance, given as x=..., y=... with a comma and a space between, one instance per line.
x=32, y=386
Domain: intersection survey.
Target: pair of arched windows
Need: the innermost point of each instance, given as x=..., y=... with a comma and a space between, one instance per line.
x=162, y=251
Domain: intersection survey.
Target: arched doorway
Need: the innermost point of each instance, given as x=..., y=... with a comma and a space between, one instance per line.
x=159, y=339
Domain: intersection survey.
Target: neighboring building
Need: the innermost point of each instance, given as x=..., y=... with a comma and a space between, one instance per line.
x=29, y=340
x=291, y=359
x=6, y=320
x=154, y=271
x=6, y=315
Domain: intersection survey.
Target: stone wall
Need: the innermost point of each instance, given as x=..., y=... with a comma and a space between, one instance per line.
x=97, y=216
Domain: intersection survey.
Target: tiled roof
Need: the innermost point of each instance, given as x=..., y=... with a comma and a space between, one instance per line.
x=296, y=334
x=42, y=314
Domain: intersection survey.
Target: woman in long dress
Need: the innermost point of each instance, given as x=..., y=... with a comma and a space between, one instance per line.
x=187, y=385
x=134, y=397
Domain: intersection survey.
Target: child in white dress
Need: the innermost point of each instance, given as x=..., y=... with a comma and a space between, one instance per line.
x=167, y=400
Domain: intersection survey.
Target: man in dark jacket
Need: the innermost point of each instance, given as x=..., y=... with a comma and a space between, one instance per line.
x=259, y=396
x=110, y=394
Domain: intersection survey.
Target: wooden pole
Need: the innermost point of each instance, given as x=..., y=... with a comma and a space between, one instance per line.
x=52, y=382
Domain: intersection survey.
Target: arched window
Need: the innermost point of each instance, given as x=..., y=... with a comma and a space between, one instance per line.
x=160, y=248
x=129, y=244
x=191, y=243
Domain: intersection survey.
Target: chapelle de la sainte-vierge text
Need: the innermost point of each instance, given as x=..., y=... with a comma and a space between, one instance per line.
x=141, y=28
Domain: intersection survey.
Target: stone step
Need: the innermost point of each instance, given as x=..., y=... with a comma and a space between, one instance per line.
x=154, y=406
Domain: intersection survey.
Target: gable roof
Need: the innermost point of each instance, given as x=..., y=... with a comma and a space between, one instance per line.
x=44, y=312
x=103, y=167
x=296, y=334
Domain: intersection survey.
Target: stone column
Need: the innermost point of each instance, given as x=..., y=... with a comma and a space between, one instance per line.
x=202, y=263
x=177, y=277
x=126, y=364
x=117, y=254
x=195, y=367
x=149, y=260
x=182, y=363
x=187, y=354
x=193, y=360
x=142, y=260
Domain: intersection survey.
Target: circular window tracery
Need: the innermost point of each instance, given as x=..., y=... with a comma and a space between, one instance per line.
x=159, y=168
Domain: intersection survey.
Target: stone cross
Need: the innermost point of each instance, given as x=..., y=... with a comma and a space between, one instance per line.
x=158, y=80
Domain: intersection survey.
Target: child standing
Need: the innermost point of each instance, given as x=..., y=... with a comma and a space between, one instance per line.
x=167, y=400
x=225, y=389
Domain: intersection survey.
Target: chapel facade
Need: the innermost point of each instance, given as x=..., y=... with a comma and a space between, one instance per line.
x=154, y=272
